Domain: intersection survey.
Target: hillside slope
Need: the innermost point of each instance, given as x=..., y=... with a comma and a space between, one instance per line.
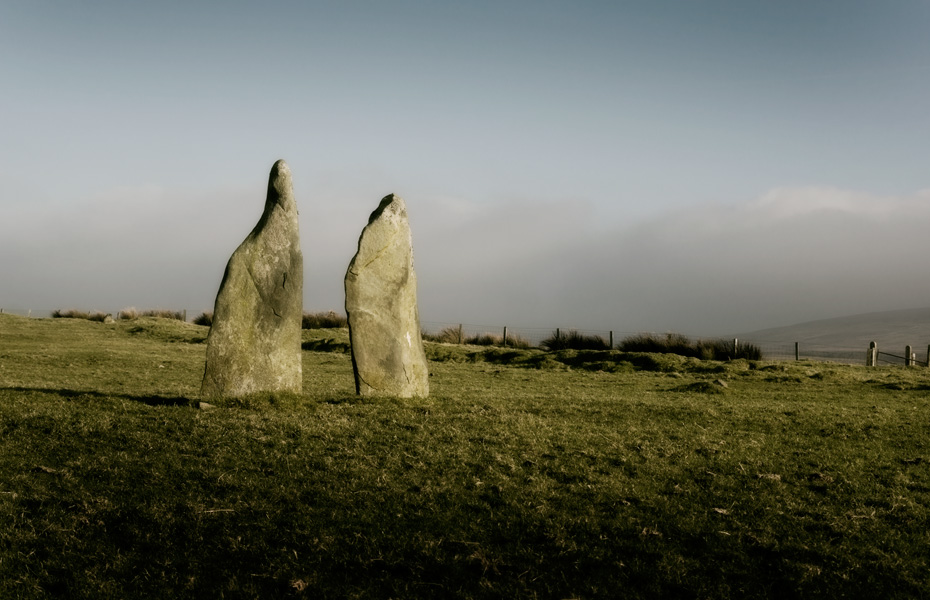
x=891, y=329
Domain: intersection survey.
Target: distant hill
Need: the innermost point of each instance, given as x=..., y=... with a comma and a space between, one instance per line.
x=893, y=330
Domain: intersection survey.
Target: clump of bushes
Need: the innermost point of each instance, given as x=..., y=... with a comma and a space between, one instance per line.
x=670, y=343
x=128, y=314
x=723, y=350
x=675, y=343
x=574, y=340
x=453, y=335
x=80, y=314
x=446, y=335
x=324, y=320
x=489, y=339
x=204, y=318
x=131, y=314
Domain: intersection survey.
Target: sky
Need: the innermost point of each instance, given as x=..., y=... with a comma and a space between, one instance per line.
x=699, y=166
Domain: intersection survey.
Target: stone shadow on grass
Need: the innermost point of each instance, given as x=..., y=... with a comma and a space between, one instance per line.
x=149, y=399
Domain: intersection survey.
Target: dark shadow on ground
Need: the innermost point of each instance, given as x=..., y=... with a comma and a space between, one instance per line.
x=327, y=345
x=149, y=399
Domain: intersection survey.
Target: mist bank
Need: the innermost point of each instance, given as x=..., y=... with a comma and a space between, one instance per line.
x=791, y=255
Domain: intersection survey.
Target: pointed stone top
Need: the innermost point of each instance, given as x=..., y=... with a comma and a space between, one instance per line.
x=280, y=187
x=393, y=204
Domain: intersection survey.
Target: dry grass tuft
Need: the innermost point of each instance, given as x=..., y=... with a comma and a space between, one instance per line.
x=675, y=343
x=204, y=318
x=324, y=320
x=95, y=315
x=453, y=335
x=574, y=340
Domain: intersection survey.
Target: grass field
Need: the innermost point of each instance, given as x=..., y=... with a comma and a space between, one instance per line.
x=525, y=475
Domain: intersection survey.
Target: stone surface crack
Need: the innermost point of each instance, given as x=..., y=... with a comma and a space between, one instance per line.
x=384, y=248
x=252, y=279
x=258, y=288
x=362, y=379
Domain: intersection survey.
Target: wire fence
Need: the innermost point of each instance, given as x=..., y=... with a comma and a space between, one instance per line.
x=771, y=349
x=535, y=336
x=779, y=350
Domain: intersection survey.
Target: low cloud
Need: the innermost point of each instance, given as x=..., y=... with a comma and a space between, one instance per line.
x=143, y=246
x=790, y=255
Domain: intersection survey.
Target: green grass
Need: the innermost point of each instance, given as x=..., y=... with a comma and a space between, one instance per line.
x=526, y=474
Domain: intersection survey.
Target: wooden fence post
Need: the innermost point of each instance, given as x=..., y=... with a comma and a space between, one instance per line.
x=735, y=347
x=797, y=351
x=872, y=356
x=611, y=340
x=461, y=339
x=505, y=336
x=908, y=359
x=928, y=356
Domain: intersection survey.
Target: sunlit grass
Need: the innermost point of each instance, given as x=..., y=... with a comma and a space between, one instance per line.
x=571, y=474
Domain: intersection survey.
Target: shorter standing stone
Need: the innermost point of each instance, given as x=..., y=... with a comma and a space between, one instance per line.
x=254, y=341
x=381, y=305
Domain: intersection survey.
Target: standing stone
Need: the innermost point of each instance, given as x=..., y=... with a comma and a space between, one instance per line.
x=381, y=304
x=254, y=342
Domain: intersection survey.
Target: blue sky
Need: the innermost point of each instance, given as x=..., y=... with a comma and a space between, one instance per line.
x=703, y=166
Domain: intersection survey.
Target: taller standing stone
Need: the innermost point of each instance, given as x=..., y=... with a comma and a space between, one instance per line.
x=254, y=342
x=381, y=305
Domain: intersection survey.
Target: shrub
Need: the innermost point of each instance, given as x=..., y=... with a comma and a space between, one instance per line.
x=324, y=320
x=484, y=339
x=489, y=339
x=670, y=343
x=446, y=335
x=574, y=340
x=453, y=335
x=131, y=314
x=177, y=315
x=79, y=314
x=721, y=349
x=128, y=314
x=675, y=343
x=204, y=318
x=516, y=341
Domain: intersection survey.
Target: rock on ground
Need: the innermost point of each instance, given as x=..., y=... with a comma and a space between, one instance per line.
x=254, y=341
x=381, y=304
